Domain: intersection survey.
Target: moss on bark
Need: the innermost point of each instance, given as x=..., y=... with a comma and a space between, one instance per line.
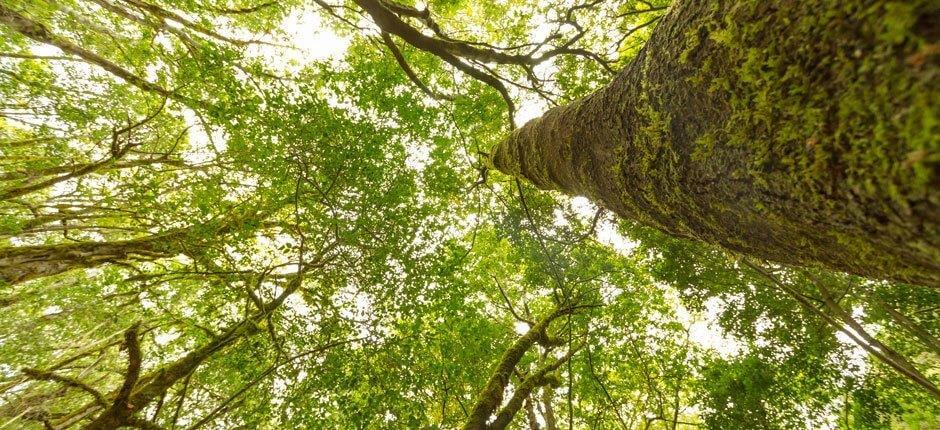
x=23, y=263
x=802, y=132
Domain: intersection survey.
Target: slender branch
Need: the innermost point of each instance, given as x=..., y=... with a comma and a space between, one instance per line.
x=38, y=57
x=42, y=375
x=173, y=16
x=923, y=335
x=548, y=411
x=117, y=152
x=409, y=72
x=38, y=32
x=858, y=335
x=892, y=355
x=597, y=379
x=512, y=309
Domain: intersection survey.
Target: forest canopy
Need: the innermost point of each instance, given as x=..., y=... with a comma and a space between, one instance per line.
x=591, y=214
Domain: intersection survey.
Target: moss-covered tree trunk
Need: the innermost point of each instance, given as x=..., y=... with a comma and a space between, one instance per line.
x=23, y=263
x=801, y=132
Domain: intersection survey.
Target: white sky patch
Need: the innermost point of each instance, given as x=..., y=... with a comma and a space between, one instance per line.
x=607, y=234
x=46, y=50
x=560, y=219
x=163, y=40
x=542, y=30
x=609, y=292
x=64, y=188
x=51, y=310
x=704, y=330
x=583, y=207
x=529, y=108
x=707, y=336
x=165, y=338
x=309, y=40
x=145, y=301
x=305, y=30
x=761, y=326
x=152, y=72
x=417, y=156
x=202, y=144
x=356, y=306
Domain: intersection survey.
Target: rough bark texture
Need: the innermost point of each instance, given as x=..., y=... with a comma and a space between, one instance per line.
x=802, y=132
x=146, y=389
x=22, y=263
x=492, y=395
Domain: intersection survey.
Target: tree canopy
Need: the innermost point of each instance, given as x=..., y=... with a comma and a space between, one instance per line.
x=283, y=214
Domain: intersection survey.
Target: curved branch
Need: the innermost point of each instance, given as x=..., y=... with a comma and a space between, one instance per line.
x=121, y=409
x=387, y=40
x=540, y=378
x=492, y=395
x=388, y=21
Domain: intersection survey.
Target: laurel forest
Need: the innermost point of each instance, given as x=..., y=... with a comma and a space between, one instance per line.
x=476, y=214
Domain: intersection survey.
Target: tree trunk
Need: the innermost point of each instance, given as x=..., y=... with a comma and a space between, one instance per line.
x=801, y=132
x=23, y=263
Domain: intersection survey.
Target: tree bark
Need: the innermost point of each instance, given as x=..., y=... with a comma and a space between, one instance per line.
x=801, y=132
x=23, y=263
x=492, y=395
x=146, y=389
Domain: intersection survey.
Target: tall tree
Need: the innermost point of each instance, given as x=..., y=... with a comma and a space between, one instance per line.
x=278, y=214
x=802, y=132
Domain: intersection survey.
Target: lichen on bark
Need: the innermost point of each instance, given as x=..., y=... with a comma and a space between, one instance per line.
x=801, y=132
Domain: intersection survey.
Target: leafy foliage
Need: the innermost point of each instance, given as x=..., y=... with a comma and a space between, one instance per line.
x=308, y=241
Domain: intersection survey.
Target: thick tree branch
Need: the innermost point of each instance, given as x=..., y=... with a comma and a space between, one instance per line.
x=541, y=377
x=492, y=395
x=390, y=23
x=121, y=408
